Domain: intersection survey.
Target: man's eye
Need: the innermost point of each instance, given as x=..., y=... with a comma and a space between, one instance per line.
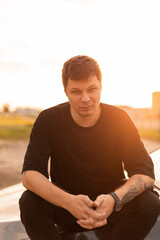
x=92, y=89
x=75, y=92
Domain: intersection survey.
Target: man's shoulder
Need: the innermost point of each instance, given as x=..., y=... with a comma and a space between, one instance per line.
x=113, y=109
x=115, y=113
x=60, y=108
x=54, y=113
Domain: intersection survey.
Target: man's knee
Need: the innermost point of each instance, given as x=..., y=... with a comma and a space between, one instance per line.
x=30, y=203
x=36, y=217
x=154, y=203
x=149, y=204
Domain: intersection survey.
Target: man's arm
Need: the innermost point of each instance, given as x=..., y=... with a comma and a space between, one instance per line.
x=40, y=185
x=80, y=206
x=134, y=186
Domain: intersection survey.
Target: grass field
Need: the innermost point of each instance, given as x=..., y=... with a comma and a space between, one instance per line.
x=13, y=127
x=150, y=134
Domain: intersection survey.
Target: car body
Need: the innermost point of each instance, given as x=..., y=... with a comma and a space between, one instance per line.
x=11, y=227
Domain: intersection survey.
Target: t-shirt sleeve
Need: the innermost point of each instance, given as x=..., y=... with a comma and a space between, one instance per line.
x=135, y=157
x=39, y=147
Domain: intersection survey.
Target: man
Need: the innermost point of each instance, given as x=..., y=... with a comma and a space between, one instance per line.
x=90, y=144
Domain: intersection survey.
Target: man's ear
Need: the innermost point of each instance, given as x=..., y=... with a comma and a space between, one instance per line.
x=101, y=85
x=65, y=91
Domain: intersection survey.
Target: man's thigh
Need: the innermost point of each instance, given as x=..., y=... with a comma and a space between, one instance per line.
x=33, y=205
x=136, y=218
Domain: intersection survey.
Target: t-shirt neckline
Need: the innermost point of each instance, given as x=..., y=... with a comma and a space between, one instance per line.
x=81, y=127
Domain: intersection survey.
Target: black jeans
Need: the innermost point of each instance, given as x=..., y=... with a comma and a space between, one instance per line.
x=133, y=222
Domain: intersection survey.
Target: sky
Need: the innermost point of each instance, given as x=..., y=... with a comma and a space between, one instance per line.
x=38, y=36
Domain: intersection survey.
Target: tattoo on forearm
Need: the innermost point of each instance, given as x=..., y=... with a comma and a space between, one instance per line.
x=130, y=195
x=136, y=189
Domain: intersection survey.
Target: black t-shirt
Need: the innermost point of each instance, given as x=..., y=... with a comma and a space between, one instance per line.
x=87, y=160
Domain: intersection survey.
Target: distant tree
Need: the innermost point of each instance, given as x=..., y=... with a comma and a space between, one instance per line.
x=6, y=108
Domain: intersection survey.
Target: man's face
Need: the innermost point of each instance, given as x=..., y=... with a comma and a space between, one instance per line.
x=84, y=95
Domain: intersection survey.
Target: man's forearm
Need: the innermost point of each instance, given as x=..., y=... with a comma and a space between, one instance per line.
x=40, y=185
x=105, y=203
x=80, y=206
x=134, y=186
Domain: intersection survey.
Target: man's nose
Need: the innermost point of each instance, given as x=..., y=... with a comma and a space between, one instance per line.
x=85, y=97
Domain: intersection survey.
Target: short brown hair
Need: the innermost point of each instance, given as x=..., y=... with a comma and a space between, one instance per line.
x=80, y=67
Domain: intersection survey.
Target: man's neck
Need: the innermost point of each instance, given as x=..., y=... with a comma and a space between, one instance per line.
x=86, y=121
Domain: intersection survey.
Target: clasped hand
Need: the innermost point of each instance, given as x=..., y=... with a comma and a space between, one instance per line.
x=82, y=208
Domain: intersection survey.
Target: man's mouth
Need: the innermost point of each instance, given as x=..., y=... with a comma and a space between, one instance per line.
x=86, y=107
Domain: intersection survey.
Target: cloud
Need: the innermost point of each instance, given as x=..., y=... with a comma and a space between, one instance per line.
x=49, y=61
x=4, y=23
x=18, y=67
x=14, y=67
x=2, y=52
x=82, y=2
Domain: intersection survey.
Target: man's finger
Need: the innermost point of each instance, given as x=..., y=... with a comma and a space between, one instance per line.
x=96, y=215
x=100, y=223
x=99, y=200
x=88, y=221
x=87, y=201
x=85, y=226
x=89, y=225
